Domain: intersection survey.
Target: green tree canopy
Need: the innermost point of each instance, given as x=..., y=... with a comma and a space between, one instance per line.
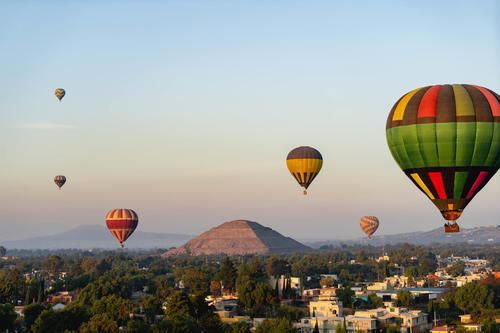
x=280, y=325
x=472, y=298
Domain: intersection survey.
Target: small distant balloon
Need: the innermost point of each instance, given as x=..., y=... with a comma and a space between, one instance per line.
x=60, y=92
x=122, y=223
x=369, y=224
x=304, y=163
x=60, y=180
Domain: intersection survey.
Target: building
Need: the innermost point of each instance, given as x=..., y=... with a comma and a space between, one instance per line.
x=424, y=294
x=414, y=321
x=63, y=297
x=281, y=282
x=317, y=293
x=442, y=329
x=328, y=324
x=411, y=321
x=326, y=308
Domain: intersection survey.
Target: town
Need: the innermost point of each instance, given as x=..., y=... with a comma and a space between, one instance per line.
x=350, y=289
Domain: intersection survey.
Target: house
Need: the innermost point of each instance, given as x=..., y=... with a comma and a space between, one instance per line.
x=411, y=321
x=328, y=324
x=319, y=293
x=326, y=308
x=442, y=329
x=282, y=281
x=63, y=297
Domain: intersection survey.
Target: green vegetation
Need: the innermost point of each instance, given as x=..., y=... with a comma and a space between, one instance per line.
x=145, y=293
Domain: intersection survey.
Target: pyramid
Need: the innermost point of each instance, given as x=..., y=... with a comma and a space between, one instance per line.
x=239, y=237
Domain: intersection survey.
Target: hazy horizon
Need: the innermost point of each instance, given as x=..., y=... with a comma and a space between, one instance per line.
x=185, y=111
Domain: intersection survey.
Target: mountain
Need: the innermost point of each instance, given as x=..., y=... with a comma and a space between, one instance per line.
x=479, y=235
x=239, y=238
x=97, y=236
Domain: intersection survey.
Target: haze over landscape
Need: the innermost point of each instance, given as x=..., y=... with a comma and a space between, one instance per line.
x=185, y=111
x=221, y=166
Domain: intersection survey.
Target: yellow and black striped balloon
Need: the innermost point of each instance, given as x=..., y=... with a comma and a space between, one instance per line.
x=304, y=163
x=60, y=92
x=369, y=224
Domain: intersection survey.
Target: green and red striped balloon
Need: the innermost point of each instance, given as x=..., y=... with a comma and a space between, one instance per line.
x=369, y=224
x=446, y=139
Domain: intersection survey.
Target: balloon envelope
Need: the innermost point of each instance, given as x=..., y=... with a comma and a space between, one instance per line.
x=60, y=180
x=446, y=139
x=304, y=163
x=122, y=223
x=369, y=224
x=60, y=93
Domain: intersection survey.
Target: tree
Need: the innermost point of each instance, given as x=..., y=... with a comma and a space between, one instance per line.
x=7, y=317
x=340, y=328
x=195, y=281
x=280, y=325
x=257, y=297
x=215, y=289
x=345, y=295
x=31, y=312
x=116, y=308
x=375, y=301
x=473, y=298
x=316, y=328
x=100, y=323
x=393, y=329
x=137, y=326
x=227, y=275
x=151, y=306
x=240, y=327
x=70, y=318
x=178, y=323
x=327, y=281
x=456, y=269
x=53, y=265
x=405, y=298
x=277, y=267
x=3, y=251
x=177, y=303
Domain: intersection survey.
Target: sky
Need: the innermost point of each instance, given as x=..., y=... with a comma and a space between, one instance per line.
x=185, y=110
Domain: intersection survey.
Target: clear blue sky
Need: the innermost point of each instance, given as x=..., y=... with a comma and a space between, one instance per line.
x=186, y=110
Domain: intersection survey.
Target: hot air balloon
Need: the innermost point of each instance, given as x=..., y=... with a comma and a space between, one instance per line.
x=304, y=163
x=446, y=139
x=59, y=180
x=60, y=92
x=122, y=223
x=369, y=224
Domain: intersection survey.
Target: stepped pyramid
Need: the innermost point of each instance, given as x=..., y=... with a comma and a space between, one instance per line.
x=239, y=238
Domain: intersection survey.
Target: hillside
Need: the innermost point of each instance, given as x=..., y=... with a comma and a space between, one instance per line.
x=479, y=235
x=97, y=236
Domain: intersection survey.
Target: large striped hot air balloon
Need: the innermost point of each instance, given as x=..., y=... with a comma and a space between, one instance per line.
x=304, y=163
x=122, y=223
x=446, y=138
x=60, y=92
x=59, y=180
x=369, y=224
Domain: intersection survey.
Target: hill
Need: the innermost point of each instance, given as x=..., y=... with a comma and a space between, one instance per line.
x=97, y=236
x=479, y=235
x=239, y=238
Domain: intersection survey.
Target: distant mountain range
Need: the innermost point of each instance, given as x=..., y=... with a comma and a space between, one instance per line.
x=479, y=235
x=97, y=236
